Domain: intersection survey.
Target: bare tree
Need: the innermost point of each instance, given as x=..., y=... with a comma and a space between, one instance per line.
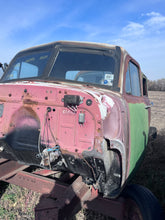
x=156, y=85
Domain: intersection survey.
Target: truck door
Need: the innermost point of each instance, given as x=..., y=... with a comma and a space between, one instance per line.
x=138, y=114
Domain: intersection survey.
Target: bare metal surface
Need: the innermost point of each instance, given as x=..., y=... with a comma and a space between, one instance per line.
x=44, y=172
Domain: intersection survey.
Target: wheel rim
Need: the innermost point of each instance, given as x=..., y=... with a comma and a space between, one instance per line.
x=132, y=210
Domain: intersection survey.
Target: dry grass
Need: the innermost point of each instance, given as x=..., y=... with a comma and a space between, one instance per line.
x=18, y=204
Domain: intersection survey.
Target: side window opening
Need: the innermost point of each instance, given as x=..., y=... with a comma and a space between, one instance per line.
x=132, y=84
x=145, y=93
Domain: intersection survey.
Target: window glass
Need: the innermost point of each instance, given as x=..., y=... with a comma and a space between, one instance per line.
x=132, y=83
x=70, y=75
x=135, y=81
x=128, y=82
x=96, y=77
x=15, y=71
x=27, y=66
x=96, y=68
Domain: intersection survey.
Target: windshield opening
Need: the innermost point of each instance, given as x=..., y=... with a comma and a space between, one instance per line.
x=27, y=66
x=87, y=67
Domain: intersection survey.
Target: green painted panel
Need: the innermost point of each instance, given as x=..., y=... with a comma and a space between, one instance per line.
x=138, y=131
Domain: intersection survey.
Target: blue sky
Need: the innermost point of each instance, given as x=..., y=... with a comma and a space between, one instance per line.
x=136, y=25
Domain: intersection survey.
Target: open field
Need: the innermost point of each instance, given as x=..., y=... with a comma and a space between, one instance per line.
x=17, y=203
x=158, y=110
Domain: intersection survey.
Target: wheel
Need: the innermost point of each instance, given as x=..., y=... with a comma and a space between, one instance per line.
x=141, y=204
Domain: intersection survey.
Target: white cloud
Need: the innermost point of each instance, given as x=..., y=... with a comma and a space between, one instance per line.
x=145, y=42
x=154, y=23
x=133, y=29
x=152, y=14
x=156, y=20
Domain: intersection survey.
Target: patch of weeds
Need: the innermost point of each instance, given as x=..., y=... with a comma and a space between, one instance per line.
x=18, y=203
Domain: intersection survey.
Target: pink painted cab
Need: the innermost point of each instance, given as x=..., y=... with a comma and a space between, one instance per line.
x=76, y=107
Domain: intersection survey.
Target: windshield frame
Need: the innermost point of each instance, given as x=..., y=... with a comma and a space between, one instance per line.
x=54, y=51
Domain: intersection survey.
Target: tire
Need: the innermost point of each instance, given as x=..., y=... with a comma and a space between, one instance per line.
x=141, y=204
x=152, y=133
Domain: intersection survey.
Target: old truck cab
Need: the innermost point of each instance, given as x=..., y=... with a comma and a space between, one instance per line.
x=76, y=107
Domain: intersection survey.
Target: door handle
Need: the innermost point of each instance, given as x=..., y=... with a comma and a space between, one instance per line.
x=149, y=106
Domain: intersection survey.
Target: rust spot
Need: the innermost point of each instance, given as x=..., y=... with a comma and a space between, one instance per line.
x=2, y=100
x=59, y=91
x=97, y=144
x=29, y=102
x=68, y=152
x=12, y=125
x=23, y=112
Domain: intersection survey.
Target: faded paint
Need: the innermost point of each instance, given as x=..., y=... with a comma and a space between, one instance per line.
x=138, y=132
x=63, y=122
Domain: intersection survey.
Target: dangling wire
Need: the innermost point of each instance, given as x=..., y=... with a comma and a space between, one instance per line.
x=39, y=137
x=93, y=172
x=46, y=130
x=72, y=108
x=54, y=139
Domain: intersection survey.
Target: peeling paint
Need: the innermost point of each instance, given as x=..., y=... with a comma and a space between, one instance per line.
x=105, y=103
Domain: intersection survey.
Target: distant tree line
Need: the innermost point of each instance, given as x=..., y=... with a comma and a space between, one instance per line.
x=156, y=85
